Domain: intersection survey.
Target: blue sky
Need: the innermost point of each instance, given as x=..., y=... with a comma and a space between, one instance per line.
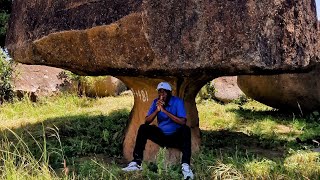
x=318, y=8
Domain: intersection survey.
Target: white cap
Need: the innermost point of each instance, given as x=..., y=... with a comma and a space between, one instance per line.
x=164, y=85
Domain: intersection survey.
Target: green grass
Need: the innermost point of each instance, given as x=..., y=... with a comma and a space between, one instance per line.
x=249, y=141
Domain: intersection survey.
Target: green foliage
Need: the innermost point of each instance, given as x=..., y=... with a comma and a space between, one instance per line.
x=243, y=99
x=161, y=169
x=303, y=164
x=5, y=10
x=18, y=161
x=260, y=169
x=6, y=89
x=4, y=17
x=206, y=93
x=82, y=81
x=92, y=135
x=91, y=169
x=314, y=116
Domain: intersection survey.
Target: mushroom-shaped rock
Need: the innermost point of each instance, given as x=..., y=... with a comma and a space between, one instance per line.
x=184, y=42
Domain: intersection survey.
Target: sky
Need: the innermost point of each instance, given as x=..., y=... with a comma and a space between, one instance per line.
x=318, y=8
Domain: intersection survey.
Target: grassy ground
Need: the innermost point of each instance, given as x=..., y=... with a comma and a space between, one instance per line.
x=67, y=137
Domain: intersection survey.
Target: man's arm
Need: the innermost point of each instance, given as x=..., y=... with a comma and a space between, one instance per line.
x=176, y=119
x=151, y=117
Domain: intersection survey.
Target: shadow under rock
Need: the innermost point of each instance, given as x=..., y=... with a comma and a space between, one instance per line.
x=229, y=142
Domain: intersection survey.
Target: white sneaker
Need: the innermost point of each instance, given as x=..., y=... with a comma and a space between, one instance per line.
x=132, y=166
x=186, y=171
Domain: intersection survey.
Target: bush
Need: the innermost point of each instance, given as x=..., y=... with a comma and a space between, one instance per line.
x=206, y=92
x=6, y=70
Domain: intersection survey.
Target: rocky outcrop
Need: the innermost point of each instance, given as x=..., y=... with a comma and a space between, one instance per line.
x=187, y=43
x=226, y=89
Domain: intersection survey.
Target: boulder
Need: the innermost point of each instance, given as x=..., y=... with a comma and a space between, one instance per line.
x=292, y=92
x=104, y=86
x=36, y=80
x=226, y=89
x=187, y=43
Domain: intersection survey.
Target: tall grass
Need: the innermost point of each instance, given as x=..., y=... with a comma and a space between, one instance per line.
x=19, y=162
x=83, y=138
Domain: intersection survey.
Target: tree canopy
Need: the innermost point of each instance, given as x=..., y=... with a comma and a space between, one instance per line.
x=5, y=10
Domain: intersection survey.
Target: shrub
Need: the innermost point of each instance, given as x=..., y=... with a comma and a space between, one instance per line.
x=206, y=92
x=6, y=70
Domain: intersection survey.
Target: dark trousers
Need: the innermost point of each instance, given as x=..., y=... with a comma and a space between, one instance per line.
x=181, y=139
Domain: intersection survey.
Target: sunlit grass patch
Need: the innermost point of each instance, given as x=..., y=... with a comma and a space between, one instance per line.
x=268, y=128
x=225, y=171
x=262, y=169
x=303, y=163
x=14, y=115
x=214, y=116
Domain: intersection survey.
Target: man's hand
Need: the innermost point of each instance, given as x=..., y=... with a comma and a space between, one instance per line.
x=160, y=104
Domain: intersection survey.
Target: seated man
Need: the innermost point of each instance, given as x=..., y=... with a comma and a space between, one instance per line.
x=171, y=131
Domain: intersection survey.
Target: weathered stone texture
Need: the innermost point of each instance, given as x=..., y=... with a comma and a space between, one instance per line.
x=298, y=92
x=241, y=36
x=181, y=38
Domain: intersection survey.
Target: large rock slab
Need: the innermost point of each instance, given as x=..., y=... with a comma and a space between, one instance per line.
x=231, y=36
x=187, y=43
x=179, y=38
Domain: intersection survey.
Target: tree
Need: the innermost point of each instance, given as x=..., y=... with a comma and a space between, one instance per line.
x=5, y=10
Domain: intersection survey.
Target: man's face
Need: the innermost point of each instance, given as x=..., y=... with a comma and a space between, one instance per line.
x=162, y=94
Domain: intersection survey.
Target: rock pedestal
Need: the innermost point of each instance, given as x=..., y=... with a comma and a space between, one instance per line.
x=144, y=91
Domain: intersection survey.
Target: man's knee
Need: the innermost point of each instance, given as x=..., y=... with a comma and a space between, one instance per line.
x=186, y=129
x=144, y=128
